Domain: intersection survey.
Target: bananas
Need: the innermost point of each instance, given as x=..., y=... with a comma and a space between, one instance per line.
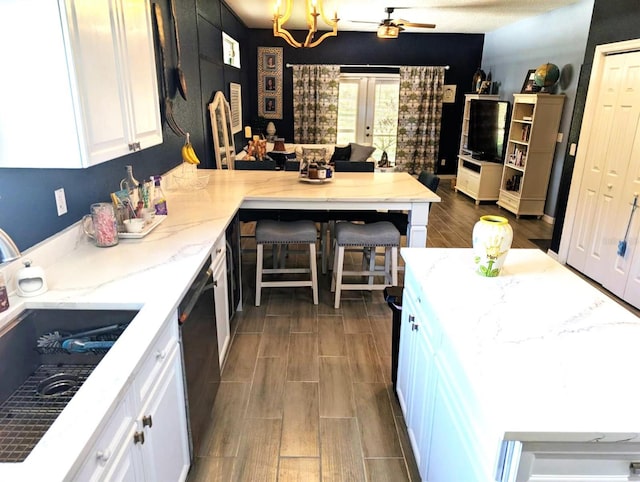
x=188, y=153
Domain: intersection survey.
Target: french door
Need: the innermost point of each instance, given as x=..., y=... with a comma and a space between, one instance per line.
x=368, y=111
x=604, y=241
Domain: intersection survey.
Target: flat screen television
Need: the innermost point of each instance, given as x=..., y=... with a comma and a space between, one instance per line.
x=487, y=134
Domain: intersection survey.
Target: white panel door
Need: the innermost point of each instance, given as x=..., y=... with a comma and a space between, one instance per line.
x=610, y=177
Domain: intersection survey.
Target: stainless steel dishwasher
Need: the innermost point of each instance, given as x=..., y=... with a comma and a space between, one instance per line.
x=199, y=342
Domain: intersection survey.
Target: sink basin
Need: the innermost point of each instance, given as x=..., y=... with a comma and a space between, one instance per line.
x=37, y=382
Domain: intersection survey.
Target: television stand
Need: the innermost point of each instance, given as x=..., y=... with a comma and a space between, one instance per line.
x=480, y=180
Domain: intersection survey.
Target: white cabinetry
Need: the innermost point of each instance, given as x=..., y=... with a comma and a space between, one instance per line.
x=84, y=88
x=479, y=180
x=416, y=380
x=145, y=438
x=530, y=148
x=220, y=296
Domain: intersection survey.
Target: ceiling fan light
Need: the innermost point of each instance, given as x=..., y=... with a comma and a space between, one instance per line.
x=388, y=31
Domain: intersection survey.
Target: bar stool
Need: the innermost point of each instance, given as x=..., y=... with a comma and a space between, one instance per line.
x=368, y=237
x=282, y=234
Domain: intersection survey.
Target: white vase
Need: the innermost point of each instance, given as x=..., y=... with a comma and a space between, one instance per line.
x=492, y=237
x=271, y=129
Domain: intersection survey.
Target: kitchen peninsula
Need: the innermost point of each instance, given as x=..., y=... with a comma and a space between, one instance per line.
x=152, y=275
x=526, y=376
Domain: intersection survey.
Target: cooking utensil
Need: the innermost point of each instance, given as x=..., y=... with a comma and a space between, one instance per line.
x=182, y=81
x=75, y=345
x=167, y=104
x=56, y=339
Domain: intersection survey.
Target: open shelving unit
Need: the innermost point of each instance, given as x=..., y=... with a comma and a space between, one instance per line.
x=531, y=144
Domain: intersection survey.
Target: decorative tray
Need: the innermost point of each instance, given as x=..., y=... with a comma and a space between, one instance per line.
x=146, y=230
x=315, y=181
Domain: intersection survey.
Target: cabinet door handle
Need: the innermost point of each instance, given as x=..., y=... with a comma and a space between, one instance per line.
x=132, y=147
x=415, y=326
x=215, y=283
x=103, y=455
x=161, y=354
x=147, y=421
x=138, y=438
x=412, y=318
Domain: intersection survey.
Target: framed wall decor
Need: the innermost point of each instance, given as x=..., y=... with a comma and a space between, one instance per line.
x=449, y=94
x=235, y=101
x=529, y=86
x=270, y=82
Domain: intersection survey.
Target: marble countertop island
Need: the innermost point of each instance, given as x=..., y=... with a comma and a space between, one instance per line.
x=548, y=357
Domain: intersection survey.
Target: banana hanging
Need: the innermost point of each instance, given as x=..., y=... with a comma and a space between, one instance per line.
x=188, y=153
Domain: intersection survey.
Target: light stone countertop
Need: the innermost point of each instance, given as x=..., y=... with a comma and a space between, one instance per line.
x=548, y=356
x=152, y=274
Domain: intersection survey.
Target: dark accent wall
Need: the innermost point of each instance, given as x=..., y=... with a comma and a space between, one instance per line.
x=612, y=21
x=462, y=52
x=27, y=203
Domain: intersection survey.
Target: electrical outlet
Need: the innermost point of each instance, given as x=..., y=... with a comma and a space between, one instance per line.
x=61, y=201
x=560, y=137
x=443, y=162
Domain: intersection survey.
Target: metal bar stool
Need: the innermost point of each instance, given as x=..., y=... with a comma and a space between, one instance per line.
x=368, y=237
x=281, y=233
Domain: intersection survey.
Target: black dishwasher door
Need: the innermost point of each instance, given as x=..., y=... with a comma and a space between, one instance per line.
x=199, y=341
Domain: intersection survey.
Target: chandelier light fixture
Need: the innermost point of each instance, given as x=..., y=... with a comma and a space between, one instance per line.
x=315, y=9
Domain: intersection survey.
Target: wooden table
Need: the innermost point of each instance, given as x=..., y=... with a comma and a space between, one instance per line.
x=346, y=191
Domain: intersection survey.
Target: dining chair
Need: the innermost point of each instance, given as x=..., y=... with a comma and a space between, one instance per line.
x=400, y=219
x=354, y=166
x=246, y=165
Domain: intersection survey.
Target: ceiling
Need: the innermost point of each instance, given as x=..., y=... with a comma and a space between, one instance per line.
x=450, y=16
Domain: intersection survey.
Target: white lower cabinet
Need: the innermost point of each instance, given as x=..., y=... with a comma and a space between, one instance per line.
x=146, y=438
x=221, y=296
x=165, y=455
x=415, y=385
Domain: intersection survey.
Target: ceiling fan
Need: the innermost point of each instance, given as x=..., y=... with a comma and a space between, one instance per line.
x=390, y=28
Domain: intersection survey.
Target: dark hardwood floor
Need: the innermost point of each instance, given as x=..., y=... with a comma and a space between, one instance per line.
x=306, y=390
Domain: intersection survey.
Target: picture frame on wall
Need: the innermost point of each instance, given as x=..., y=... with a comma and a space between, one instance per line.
x=449, y=94
x=235, y=104
x=529, y=85
x=270, y=82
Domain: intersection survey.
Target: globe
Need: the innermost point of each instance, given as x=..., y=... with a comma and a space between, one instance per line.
x=546, y=76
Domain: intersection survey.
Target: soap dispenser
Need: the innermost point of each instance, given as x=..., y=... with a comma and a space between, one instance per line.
x=30, y=280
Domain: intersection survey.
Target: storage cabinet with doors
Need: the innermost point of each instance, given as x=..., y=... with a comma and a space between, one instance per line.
x=531, y=145
x=480, y=180
x=145, y=438
x=97, y=61
x=220, y=295
x=416, y=373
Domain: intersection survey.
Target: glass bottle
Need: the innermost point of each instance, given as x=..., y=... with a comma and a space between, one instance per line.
x=130, y=183
x=159, y=200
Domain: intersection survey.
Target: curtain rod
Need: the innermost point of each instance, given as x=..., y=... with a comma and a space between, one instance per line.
x=446, y=67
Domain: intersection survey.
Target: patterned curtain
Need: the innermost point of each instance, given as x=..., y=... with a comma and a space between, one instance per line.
x=419, y=118
x=315, y=103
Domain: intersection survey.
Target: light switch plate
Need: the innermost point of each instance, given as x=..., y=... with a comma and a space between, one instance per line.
x=61, y=201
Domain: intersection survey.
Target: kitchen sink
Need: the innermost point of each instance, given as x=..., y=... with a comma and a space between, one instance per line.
x=37, y=382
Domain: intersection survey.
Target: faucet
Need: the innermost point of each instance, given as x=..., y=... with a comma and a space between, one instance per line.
x=8, y=249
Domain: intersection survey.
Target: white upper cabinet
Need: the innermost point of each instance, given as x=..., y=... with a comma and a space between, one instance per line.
x=83, y=89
